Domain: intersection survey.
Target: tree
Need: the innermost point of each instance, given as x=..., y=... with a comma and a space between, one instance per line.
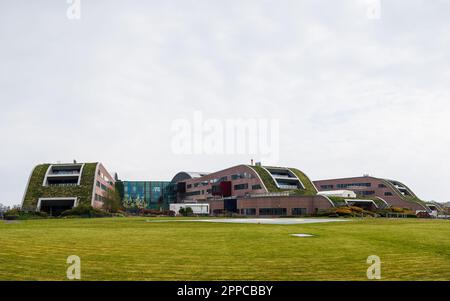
x=111, y=202
x=186, y=211
x=3, y=209
x=160, y=202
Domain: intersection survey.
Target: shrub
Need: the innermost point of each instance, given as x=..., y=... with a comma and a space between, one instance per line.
x=17, y=213
x=154, y=212
x=396, y=209
x=186, y=211
x=356, y=209
x=85, y=211
x=344, y=211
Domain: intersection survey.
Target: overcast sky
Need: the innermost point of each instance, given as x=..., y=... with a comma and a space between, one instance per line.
x=353, y=95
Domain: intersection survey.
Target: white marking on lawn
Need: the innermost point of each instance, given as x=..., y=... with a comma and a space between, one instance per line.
x=302, y=235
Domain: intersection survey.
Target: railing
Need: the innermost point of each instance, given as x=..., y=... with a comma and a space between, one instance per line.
x=65, y=172
x=288, y=186
x=268, y=194
x=63, y=184
x=285, y=177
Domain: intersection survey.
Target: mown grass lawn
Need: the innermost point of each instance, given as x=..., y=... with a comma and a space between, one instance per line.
x=133, y=249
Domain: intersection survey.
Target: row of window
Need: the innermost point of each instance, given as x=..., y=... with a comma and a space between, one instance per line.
x=236, y=187
x=268, y=211
x=274, y=211
x=352, y=185
x=242, y=176
x=101, y=185
x=241, y=186
x=99, y=198
x=222, y=179
x=62, y=184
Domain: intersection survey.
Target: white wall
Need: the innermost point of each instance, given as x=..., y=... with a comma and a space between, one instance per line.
x=196, y=208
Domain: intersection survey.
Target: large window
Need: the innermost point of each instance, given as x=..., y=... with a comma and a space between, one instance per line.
x=272, y=211
x=241, y=186
x=326, y=186
x=368, y=192
x=353, y=185
x=256, y=187
x=155, y=194
x=248, y=211
x=299, y=211
x=192, y=193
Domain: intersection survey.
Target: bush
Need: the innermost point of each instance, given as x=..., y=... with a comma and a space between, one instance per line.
x=18, y=213
x=154, y=212
x=186, y=211
x=356, y=209
x=344, y=211
x=85, y=211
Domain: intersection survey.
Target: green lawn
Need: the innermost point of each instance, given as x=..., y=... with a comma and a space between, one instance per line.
x=132, y=249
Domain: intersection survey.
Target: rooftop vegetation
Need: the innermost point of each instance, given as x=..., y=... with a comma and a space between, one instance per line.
x=272, y=186
x=36, y=190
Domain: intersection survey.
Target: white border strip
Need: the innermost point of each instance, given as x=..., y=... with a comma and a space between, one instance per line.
x=94, y=183
x=27, y=186
x=74, y=199
x=257, y=174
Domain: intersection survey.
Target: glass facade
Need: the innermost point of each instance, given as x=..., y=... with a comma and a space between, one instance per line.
x=151, y=194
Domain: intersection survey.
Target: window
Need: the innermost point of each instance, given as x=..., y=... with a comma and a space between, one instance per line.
x=189, y=186
x=256, y=187
x=388, y=193
x=381, y=186
x=248, y=211
x=272, y=211
x=353, y=185
x=98, y=184
x=99, y=198
x=196, y=184
x=368, y=192
x=192, y=193
x=298, y=211
x=326, y=186
x=241, y=186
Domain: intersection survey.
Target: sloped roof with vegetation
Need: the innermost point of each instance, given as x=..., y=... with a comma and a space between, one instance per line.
x=409, y=198
x=271, y=186
x=35, y=190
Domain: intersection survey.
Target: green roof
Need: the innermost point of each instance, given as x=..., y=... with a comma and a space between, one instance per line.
x=271, y=186
x=409, y=198
x=35, y=190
